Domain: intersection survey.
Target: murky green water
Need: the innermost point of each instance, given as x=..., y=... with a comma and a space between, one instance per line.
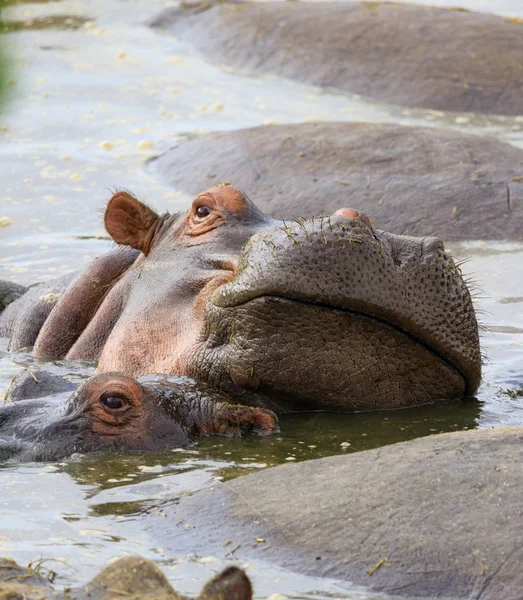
x=93, y=95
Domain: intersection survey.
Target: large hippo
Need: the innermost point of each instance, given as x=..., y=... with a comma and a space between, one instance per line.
x=323, y=313
x=113, y=412
x=129, y=577
x=437, y=517
x=424, y=56
x=416, y=180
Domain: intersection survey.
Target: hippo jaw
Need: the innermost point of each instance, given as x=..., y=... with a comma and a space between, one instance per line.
x=366, y=365
x=387, y=323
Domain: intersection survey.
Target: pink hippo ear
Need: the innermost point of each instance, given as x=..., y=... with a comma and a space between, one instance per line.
x=232, y=584
x=129, y=222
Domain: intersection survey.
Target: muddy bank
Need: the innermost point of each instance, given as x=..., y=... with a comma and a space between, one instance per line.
x=439, y=516
x=446, y=59
x=407, y=179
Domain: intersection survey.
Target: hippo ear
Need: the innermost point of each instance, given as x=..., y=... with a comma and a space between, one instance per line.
x=128, y=221
x=232, y=584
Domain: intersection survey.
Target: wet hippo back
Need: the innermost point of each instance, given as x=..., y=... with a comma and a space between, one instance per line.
x=437, y=517
x=409, y=55
x=9, y=292
x=407, y=179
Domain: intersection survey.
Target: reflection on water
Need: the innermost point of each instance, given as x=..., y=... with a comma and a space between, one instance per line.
x=304, y=436
x=94, y=95
x=54, y=22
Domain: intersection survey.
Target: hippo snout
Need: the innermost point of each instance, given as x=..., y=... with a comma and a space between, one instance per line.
x=331, y=299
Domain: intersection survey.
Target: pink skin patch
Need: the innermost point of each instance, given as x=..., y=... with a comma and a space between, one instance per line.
x=350, y=213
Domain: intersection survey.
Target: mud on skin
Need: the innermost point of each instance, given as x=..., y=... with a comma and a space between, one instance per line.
x=42, y=420
x=128, y=577
x=445, y=59
x=321, y=313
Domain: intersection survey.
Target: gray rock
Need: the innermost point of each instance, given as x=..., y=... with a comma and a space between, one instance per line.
x=424, y=56
x=412, y=180
x=436, y=517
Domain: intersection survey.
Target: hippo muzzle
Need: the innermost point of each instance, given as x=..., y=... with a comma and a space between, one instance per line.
x=331, y=314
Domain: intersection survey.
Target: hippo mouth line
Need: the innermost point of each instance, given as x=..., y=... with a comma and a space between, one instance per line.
x=276, y=298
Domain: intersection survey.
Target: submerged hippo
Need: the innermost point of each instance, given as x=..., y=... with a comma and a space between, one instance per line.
x=129, y=577
x=436, y=517
x=114, y=412
x=424, y=56
x=322, y=313
x=415, y=180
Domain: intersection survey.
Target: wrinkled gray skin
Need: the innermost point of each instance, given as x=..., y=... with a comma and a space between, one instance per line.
x=408, y=55
x=436, y=517
x=42, y=420
x=9, y=292
x=131, y=576
x=409, y=180
x=323, y=314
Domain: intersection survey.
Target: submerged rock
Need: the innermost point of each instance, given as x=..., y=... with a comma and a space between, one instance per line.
x=435, y=517
x=130, y=577
x=414, y=180
x=424, y=56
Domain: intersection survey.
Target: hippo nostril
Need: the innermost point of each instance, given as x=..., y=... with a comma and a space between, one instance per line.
x=350, y=213
x=432, y=244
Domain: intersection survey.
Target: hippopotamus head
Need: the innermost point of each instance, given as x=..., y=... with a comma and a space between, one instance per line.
x=318, y=313
x=43, y=420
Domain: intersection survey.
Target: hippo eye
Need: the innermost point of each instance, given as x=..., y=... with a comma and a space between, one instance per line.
x=203, y=211
x=113, y=403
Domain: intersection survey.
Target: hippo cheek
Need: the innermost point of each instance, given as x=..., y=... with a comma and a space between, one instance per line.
x=294, y=356
x=158, y=338
x=144, y=435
